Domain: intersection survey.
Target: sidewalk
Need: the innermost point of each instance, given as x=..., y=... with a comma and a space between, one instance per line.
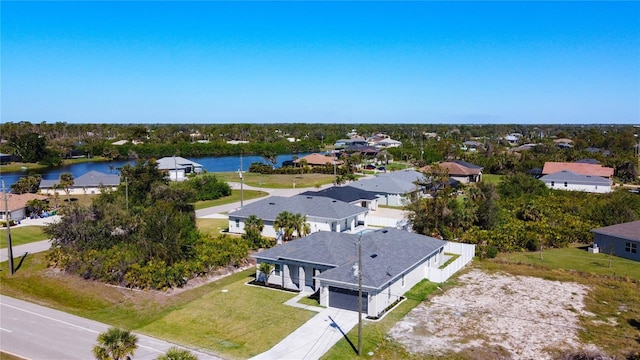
x=315, y=337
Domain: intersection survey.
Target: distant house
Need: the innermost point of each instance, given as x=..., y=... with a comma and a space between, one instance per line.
x=348, y=194
x=17, y=205
x=459, y=170
x=90, y=183
x=578, y=168
x=177, y=168
x=512, y=139
x=323, y=214
x=351, y=142
x=316, y=159
x=237, y=142
x=471, y=145
x=394, y=188
x=620, y=240
x=386, y=143
x=393, y=261
x=568, y=180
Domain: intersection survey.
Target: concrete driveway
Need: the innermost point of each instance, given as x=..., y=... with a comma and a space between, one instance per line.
x=315, y=337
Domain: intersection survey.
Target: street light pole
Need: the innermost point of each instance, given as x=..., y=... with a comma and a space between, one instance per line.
x=7, y=218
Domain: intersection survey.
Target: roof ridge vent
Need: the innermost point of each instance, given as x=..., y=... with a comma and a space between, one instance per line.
x=272, y=203
x=385, y=231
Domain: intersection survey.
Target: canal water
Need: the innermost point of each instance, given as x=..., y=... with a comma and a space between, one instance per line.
x=210, y=164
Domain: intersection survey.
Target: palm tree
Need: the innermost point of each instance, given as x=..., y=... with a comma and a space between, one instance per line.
x=115, y=344
x=266, y=269
x=66, y=181
x=284, y=221
x=177, y=354
x=299, y=221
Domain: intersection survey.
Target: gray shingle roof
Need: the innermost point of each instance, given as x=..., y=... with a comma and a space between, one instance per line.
x=386, y=254
x=396, y=182
x=628, y=231
x=574, y=178
x=316, y=206
x=343, y=193
x=91, y=179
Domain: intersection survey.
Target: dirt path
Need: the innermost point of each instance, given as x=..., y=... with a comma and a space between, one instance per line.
x=497, y=316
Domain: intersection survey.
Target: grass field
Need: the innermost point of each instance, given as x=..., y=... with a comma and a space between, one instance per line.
x=279, y=181
x=211, y=226
x=22, y=235
x=234, y=197
x=577, y=258
x=492, y=179
x=238, y=323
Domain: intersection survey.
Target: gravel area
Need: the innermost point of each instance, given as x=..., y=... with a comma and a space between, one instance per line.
x=497, y=316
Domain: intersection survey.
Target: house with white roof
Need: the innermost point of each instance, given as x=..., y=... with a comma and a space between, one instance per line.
x=323, y=214
x=177, y=168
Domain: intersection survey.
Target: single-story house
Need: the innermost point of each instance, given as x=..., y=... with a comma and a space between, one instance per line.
x=394, y=188
x=351, y=142
x=90, y=183
x=323, y=214
x=459, y=170
x=348, y=194
x=551, y=167
x=393, y=261
x=177, y=168
x=568, y=180
x=17, y=205
x=316, y=159
x=621, y=240
x=387, y=143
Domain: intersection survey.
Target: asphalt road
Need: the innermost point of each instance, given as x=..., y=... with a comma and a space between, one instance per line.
x=36, y=332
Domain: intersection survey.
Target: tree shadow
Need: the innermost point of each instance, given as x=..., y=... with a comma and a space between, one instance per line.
x=21, y=261
x=636, y=324
x=335, y=325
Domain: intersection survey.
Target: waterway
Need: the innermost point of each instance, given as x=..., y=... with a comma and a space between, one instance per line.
x=210, y=164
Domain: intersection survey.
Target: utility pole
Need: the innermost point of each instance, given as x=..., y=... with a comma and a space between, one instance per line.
x=7, y=218
x=241, y=183
x=360, y=295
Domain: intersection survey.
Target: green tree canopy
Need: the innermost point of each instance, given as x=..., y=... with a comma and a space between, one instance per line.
x=115, y=344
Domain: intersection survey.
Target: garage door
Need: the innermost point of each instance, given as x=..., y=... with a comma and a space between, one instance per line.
x=346, y=299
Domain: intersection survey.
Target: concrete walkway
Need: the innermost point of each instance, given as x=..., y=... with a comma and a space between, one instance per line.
x=313, y=339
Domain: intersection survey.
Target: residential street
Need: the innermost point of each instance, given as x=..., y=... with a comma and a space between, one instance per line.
x=36, y=332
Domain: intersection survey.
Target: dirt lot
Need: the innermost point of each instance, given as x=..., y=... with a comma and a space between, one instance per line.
x=497, y=316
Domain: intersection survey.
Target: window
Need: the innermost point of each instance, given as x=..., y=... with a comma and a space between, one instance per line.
x=402, y=280
x=276, y=269
x=631, y=247
x=552, y=183
x=565, y=184
x=237, y=222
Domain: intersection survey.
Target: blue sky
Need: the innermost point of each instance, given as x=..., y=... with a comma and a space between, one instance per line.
x=320, y=62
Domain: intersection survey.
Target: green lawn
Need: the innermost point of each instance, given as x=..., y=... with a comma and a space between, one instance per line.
x=279, y=181
x=234, y=197
x=575, y=258
x=239, y=323
x=211, y=226
x=492, y=179
x=22, y=235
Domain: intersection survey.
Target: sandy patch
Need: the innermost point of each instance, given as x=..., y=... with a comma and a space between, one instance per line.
x=517, y=317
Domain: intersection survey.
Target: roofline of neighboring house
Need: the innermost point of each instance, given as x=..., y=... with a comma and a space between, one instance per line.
x=617, y=236
x=319, y=217
x=307, y=262
x=336, y=282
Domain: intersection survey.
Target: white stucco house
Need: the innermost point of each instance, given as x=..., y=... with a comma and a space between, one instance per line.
x=177, y=168
x=323, y=214
x=571, y=181
x=348, y=194
x=17, y=205
x=393, y=261
x=92, y=182
x=394, y=188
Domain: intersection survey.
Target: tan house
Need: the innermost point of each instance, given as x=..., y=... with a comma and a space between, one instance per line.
x=316, y=159
x=578, y=168
x=17, y=204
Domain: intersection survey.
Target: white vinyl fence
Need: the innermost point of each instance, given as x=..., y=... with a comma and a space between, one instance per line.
x=466, y=252
x=382, y=221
